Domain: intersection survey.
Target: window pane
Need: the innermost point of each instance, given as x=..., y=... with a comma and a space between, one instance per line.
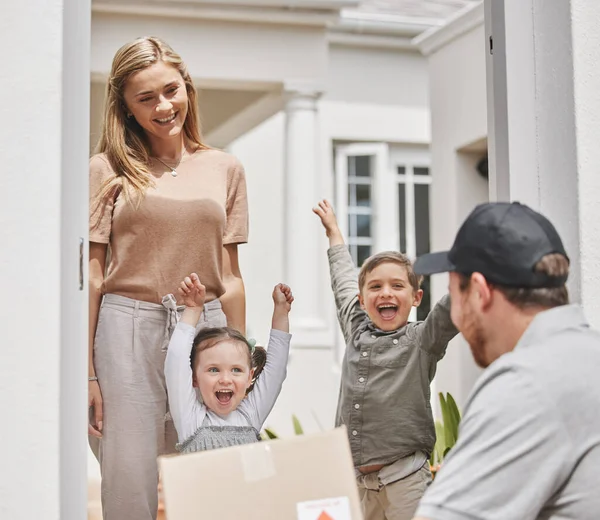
x=402, y=216
x=351, y=225
x=351, y=194
x=364, y=252
x=363, y=225
x=422, y=218
x=401, y=170
x=362, y=165
x=425, y=307
x=363, y=195
x=420, y=170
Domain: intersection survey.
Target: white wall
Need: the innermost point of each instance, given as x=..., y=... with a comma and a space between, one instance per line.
x=310, y=390
x=586, y=56
x=546, y=100
x=219, y=50
x=377, y=76
x=458, y=111
x=43, y=213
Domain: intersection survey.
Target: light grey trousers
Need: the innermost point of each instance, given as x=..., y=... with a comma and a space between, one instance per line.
x=129, y=355
x=395, y=501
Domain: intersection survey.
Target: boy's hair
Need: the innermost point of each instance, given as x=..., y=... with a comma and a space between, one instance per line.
x=393, y=257
x=555, y=265
x=212, y=336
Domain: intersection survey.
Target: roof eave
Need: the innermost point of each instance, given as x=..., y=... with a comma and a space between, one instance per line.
x=463, y=21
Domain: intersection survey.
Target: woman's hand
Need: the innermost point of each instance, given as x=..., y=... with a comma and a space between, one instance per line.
x=95, y=405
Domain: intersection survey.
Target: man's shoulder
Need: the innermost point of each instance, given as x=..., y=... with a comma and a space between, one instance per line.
x=510, y=375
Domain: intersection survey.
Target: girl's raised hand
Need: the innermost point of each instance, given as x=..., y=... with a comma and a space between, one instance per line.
x=282, y=296
x=192, y=291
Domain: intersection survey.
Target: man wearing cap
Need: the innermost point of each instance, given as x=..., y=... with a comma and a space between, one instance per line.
x=529, y=441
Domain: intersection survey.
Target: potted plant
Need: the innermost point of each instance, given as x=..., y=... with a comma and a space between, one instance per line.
x=446, y=431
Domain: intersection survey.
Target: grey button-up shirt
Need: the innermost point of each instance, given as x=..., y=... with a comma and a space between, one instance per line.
x=529, y=440
x=384, y=395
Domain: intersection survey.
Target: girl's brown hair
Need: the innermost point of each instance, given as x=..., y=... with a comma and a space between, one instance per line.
x=211, y=336
x=123, y=140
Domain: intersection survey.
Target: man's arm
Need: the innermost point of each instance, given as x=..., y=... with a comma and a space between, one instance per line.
x=510, y=430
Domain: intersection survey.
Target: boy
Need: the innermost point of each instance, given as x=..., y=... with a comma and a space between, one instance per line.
x=388, y=366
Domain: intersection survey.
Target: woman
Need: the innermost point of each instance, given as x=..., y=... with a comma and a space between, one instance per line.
x=167, y=205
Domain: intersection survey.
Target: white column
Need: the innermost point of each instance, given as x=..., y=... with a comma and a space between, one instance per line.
x=303, y=247
x=586, y=75
x=543, y=119
x=43, y=310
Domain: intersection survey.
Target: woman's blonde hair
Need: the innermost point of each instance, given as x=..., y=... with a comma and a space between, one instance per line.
x=123, y=140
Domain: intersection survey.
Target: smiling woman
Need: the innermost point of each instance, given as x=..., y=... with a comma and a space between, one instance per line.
x=167, y=205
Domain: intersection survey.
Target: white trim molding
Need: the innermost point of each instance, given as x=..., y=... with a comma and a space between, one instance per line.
x=461, y=23
x=284, y=4
x=377, y=30
x=300, y=13
x=369, y=41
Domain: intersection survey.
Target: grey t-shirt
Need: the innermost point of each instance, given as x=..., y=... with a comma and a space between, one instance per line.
x=529, y=441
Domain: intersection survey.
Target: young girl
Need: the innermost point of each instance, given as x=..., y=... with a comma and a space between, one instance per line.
x=223, y=371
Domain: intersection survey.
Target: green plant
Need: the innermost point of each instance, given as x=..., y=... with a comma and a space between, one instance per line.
x=447, y=431
x=269, y=434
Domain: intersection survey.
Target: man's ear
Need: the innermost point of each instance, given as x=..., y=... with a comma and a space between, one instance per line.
x=194, y=381
x=482, y=288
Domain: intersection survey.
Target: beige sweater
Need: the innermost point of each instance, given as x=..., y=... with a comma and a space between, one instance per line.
x=180, y=227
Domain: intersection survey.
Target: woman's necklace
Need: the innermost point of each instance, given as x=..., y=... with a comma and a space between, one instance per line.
x=172, y=168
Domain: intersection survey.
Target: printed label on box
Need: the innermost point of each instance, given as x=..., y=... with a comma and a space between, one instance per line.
x=325, y=509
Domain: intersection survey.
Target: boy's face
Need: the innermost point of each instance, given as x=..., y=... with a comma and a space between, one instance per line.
x=388, y=297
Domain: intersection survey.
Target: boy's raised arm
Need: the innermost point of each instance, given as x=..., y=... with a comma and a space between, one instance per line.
x=437, y=329
x=344, y=281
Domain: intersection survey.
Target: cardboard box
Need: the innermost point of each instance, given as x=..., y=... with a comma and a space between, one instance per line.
x=308, y=477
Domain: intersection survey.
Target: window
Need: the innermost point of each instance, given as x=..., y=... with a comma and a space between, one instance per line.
x=359, y=234
x=358, y=169
x=382, y=202
x=413, y=221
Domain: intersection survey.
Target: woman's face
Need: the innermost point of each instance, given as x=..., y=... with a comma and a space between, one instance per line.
x=157, y=98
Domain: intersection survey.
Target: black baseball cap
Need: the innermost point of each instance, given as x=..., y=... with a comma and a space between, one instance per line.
x=503, y=241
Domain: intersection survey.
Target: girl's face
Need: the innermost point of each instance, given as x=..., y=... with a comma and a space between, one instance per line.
x=223, y=375
x=157, y=98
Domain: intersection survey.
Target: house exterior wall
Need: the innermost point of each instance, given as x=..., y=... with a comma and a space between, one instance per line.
x=219, y=51
x=458, y=119
x=376, y=76
x=42, y=218
x=372, y=111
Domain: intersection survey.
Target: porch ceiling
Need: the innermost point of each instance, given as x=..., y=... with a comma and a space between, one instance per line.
x=224, y=113
x=218, y=106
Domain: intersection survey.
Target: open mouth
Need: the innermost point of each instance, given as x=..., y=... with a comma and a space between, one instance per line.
x=224, y=396
x=166, y=120
x=387, y=311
